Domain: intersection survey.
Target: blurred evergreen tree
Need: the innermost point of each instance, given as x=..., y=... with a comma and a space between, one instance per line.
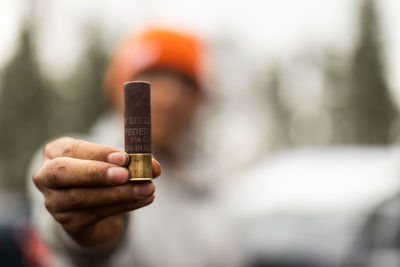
x=81, y=100
x=280, y=112
x=93, y=103
x=23, y=109
x=365, y=113
x=31, y=111
x=336, y=94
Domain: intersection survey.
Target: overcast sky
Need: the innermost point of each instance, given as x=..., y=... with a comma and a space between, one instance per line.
x=263, y=28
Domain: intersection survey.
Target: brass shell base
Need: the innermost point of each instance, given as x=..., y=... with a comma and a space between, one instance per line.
x=140, y=167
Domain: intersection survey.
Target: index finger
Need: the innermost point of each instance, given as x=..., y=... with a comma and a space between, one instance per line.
x=78, y=149
x=65, y=172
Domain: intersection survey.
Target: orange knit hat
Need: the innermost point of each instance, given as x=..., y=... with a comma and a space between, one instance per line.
x=154, y=47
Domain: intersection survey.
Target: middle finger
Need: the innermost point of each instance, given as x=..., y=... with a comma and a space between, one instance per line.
x=84, y=197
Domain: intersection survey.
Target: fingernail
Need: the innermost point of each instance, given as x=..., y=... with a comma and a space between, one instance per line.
x=117, y=175
x=143, y=189
x=118, y=158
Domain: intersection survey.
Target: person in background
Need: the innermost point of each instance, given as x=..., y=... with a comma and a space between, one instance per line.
x=84, y=208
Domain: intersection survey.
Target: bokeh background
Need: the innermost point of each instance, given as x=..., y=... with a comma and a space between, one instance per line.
x=284, y=73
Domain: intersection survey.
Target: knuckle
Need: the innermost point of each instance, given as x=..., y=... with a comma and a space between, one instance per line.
x=53, y=145
x=75, y=198
x=64, y=141
x=47, y=148
x=72, y=227
x=70, y=146
x=64, y=145
x=52, y=200
x=63, y=217
x=71, y=222
x=37, y=179
x=49, y=205
x=54, y=171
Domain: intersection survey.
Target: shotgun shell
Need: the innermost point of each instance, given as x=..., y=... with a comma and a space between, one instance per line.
x=137, y=121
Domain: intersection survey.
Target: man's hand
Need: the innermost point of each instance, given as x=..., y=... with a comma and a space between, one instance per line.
x=85, y=189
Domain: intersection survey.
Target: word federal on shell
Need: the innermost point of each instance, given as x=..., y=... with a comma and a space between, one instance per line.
x=137, y=122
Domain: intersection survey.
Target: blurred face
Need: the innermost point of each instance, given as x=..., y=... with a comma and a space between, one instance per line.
x=174, y=101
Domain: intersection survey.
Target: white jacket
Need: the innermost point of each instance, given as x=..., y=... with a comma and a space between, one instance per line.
x=184, y=226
